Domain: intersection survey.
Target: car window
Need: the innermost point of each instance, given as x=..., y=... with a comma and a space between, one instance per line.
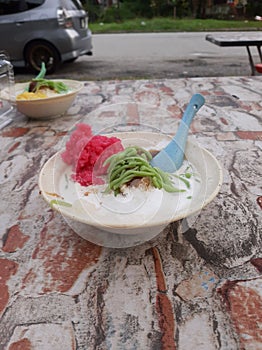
x=8, y=7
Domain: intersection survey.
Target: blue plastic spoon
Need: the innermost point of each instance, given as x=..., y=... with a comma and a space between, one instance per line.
x=171, y=157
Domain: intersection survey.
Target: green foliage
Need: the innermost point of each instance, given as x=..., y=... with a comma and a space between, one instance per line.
x=139, y=8
x=169, y=24
x=93, y=9
x=183, y=8
x=254, y=8
x=126, y=10
x=117, y=14
x=132, y=9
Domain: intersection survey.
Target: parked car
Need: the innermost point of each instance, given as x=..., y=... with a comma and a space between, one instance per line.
x=53, y=31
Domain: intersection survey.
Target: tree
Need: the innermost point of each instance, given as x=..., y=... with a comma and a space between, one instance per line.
x=139, y=8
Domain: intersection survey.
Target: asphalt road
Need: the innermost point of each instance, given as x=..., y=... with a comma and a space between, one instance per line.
x=153, y=55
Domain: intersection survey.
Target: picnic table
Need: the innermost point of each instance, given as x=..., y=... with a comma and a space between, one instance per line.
x=197, y=285
x=237, y=39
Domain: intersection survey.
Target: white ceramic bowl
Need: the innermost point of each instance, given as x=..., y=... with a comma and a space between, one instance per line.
x=50, y=107
x=117, y=222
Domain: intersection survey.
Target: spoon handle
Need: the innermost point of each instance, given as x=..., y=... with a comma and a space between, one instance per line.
x=176, y=148
x=171, y=157
x=192, y=108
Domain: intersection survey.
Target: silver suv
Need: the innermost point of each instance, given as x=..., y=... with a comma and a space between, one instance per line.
x=53, y=31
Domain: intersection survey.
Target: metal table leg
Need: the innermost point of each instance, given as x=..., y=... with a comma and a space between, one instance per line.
x=259, y=52
x=251, y=61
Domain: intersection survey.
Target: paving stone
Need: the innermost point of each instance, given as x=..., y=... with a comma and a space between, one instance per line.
x=244, y=303
x=35, y=337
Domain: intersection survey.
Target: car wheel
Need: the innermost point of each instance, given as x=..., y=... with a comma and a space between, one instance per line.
x=39, y=51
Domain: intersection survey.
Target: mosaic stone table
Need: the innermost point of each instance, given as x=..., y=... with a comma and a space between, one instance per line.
x=195, y=286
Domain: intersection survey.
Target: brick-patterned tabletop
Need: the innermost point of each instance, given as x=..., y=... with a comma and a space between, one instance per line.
x=197, y=285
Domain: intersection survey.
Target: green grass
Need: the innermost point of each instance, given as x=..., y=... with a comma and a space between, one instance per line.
x=174, y=25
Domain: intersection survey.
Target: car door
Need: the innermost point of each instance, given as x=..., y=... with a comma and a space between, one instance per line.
x=15, y=26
